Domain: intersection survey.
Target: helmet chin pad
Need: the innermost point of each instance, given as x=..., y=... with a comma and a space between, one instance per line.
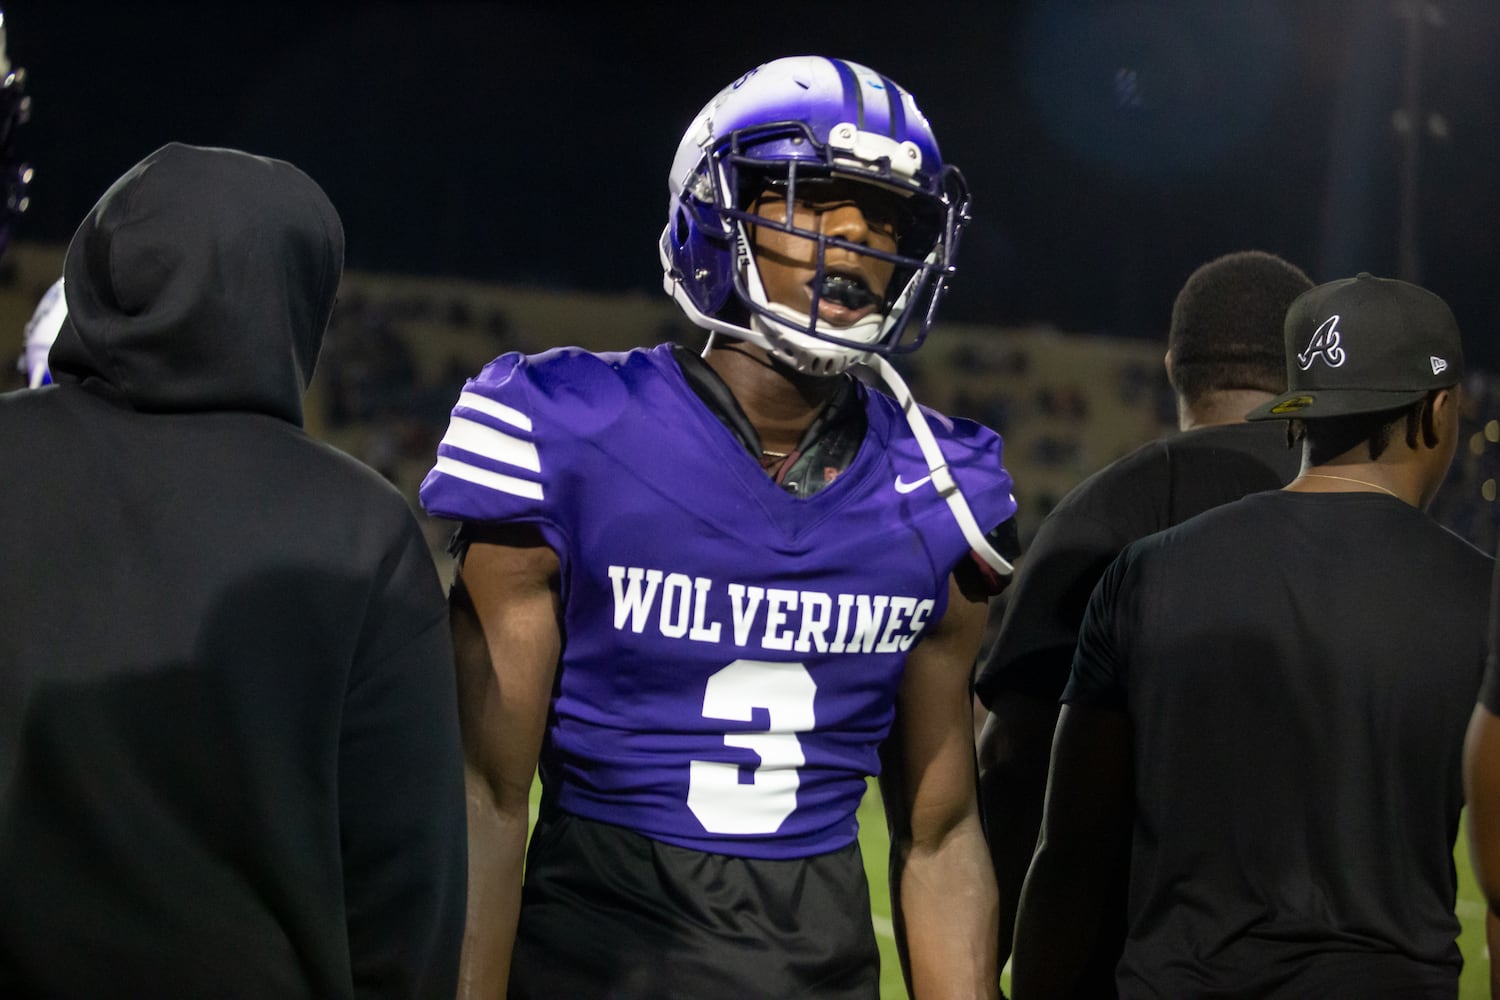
x=784, y=332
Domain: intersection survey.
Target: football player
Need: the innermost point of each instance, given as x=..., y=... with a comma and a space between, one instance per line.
x=711, y=594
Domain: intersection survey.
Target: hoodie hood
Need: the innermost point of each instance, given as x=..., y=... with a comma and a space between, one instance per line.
x=203, y=280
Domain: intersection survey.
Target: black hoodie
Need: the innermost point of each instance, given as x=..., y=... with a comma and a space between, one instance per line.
x=229, y=752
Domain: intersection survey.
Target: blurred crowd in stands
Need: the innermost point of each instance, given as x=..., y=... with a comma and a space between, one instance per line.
x=399, y=350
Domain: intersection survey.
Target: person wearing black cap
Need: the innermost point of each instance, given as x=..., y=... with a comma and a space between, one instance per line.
x=1268, y=701
x=1224, y=358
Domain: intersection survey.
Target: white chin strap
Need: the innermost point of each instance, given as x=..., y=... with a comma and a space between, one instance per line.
x=786, y=337
x=937, y=465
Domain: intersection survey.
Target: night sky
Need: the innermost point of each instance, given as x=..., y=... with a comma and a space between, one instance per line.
x=1111, y=146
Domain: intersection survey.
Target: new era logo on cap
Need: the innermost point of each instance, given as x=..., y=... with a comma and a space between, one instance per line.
x=1365, y=345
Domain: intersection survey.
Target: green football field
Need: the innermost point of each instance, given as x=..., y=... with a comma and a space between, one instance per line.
x=875, y=846
x=873, y=842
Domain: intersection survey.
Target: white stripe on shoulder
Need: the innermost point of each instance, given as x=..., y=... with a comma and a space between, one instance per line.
x=499, y=411
x=499, y=482
x=486, y=441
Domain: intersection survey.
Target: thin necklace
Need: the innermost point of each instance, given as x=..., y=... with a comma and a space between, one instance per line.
x=767, y=453
x=1350, y=479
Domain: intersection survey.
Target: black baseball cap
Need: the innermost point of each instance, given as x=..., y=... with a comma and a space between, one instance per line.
x=1362, y=345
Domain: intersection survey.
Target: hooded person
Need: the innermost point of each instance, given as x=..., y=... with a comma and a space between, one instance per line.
x=229, y=752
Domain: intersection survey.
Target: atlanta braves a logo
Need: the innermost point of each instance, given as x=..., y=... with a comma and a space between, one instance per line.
x=1325, y=341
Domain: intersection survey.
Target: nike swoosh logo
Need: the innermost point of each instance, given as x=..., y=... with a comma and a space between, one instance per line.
x=902, y=486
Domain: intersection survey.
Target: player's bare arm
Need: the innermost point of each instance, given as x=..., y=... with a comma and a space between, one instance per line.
x=944, y=886
x=507, y=640
x=1084, y=842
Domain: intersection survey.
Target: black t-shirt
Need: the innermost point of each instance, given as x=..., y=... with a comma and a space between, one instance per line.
x=1299, y=670
x=1158, y=485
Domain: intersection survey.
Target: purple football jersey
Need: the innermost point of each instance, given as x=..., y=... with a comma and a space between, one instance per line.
x=732, y=652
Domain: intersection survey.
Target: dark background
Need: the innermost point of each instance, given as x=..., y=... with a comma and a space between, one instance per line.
x=1112, y=146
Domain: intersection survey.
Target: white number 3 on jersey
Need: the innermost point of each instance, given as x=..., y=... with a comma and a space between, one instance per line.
x=715, y=794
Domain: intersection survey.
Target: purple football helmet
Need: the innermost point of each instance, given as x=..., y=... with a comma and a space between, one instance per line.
x=806, y=119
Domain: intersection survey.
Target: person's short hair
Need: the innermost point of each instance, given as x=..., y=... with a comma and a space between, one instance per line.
x=1328, y=437
x=1226, y=330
